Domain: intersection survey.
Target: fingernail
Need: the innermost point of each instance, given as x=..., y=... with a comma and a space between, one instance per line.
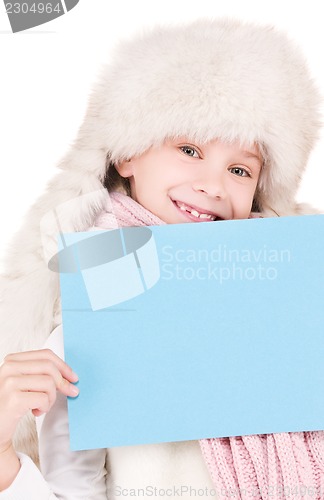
x=74, y=390
x=74, y=375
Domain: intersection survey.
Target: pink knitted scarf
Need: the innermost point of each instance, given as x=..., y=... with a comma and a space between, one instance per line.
x=285, y=465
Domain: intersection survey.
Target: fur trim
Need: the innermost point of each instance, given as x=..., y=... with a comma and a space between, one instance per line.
x=213, y=78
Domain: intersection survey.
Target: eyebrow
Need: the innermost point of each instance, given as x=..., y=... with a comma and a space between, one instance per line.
x=252, y=155
x=249, y=154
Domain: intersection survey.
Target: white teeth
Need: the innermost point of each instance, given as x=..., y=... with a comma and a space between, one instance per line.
x=196, y=214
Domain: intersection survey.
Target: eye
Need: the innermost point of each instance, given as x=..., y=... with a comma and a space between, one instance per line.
x=241, y=172
x=190, y=151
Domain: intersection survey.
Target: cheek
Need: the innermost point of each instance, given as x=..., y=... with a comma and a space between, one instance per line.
x=159, y=178
x=242, y=200
x=144, y=177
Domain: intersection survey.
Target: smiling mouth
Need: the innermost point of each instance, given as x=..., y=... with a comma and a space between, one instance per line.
x=203, y=216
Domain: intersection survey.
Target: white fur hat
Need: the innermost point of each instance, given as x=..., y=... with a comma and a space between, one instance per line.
x=209, y=79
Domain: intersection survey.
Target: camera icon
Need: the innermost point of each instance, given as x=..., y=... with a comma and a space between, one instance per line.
x=116, y=265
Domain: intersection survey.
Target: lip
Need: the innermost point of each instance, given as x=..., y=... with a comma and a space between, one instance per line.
x=191, y=217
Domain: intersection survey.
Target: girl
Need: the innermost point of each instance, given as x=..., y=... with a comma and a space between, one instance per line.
x=203, y=122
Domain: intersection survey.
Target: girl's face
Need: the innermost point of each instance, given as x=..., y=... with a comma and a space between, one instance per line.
x=181, y=181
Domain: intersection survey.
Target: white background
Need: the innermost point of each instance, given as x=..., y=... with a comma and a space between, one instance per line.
x=46, y=74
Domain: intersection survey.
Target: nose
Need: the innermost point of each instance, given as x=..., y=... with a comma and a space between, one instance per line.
x=211, y=183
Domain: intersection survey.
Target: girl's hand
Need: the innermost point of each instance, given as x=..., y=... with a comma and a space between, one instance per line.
x=29, y=381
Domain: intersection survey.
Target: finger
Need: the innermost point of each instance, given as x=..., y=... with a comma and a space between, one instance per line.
x=16, y=389
x=20, y=403
x=45, y=354
x=12, y=369
x=38, y=413
x=44, y=384
x=37, y=383
x=34, y=401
